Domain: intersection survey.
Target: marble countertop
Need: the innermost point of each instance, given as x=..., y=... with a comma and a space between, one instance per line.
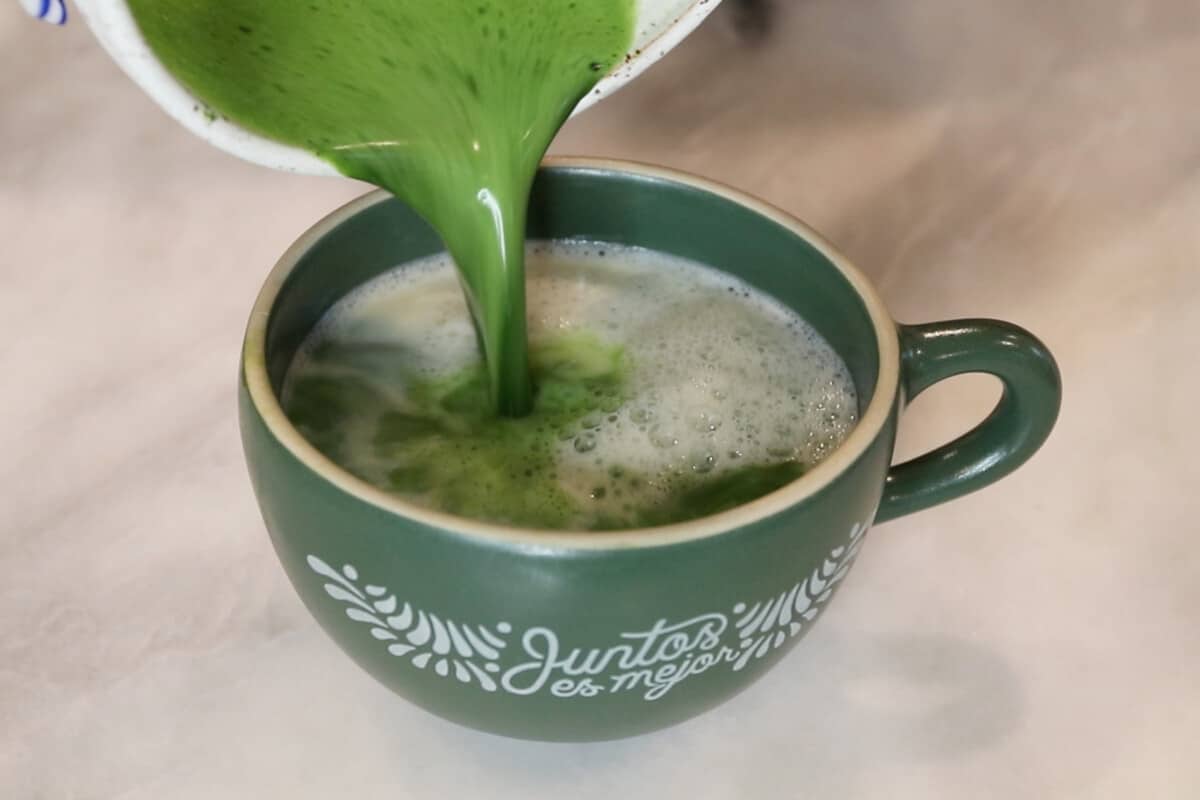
x=1030, y=161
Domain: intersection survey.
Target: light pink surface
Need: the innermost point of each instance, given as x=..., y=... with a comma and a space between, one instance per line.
x=1031, y=161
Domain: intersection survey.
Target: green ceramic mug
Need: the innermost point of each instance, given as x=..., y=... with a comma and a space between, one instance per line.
x=580, y=636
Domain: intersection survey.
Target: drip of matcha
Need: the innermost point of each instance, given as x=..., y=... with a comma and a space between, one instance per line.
x=448, y=104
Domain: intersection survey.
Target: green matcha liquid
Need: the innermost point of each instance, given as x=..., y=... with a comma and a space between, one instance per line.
x=448, y=104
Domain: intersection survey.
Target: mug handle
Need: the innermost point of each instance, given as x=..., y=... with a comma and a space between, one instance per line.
x=1012, y=433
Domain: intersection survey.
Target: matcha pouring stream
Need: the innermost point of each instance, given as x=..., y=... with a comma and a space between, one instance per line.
x=450, y=105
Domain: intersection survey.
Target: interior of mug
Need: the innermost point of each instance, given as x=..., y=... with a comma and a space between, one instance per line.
x=605, y=201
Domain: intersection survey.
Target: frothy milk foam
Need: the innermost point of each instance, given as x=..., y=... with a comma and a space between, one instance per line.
x=720, y=377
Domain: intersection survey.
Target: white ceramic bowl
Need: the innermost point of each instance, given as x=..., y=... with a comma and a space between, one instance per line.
x=661, y=24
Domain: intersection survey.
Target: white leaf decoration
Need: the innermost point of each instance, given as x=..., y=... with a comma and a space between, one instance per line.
x=469, y=653
x=338, y=593
x=402, y=620
x=492, y=639
x=441, y=639
x=358, y=615
x=485, y=680
x=805, y=599
x=420, y=634
x=486, y=650
x=460, y=644
x=428, y=634
x=741, y=623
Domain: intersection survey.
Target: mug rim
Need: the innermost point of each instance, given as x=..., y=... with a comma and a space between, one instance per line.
x=864, y=434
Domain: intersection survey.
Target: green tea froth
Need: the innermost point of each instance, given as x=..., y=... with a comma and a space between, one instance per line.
x=666, y=391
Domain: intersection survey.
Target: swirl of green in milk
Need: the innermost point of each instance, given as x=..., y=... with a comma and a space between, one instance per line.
x=448, y=104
